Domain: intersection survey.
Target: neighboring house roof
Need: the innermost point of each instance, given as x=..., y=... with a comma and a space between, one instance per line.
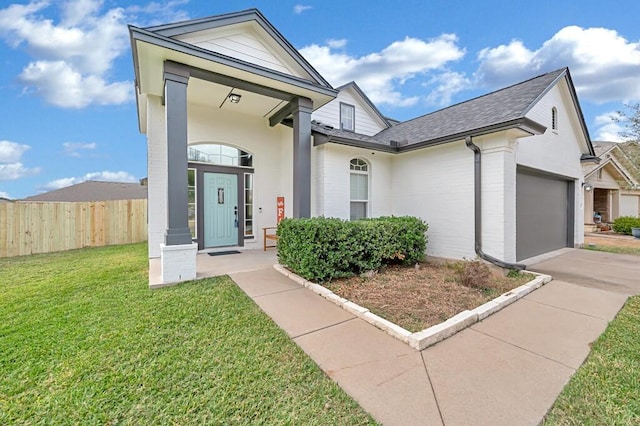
x=600, y=148
x=613, y=154
x=630, y=157
x=5, y=200
x=93, y=191
x=500, y=110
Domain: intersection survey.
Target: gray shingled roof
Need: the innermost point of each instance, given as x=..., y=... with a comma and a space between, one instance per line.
x=601, y=147
x=502, y=106
x=344, y=136
x=93, y=191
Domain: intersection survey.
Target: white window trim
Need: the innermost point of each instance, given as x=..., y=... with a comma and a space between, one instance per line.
x=368, y=174
x=353, y=117
x=253, y=206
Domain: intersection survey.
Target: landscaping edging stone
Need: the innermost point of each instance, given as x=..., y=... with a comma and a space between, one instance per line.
x=434, y=334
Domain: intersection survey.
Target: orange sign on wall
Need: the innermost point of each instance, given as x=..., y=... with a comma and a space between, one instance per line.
x=280, y=209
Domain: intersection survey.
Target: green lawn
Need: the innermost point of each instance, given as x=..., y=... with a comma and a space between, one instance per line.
x=84, y=341
x=614, y=249
x=606, y=389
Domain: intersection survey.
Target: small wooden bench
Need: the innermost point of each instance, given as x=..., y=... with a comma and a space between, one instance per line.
x=268, y=235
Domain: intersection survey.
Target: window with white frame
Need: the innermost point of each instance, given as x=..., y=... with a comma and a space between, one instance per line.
x=347, y=117
x=359, y=188
x=192, y=200
x=248, y=205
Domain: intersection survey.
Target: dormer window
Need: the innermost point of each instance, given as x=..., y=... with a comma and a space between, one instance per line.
x=554, y=118
x=347, y=117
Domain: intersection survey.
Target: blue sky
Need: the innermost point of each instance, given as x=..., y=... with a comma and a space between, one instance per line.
x=67, y=108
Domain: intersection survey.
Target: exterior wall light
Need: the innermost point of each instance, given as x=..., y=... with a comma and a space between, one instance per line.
x=234, y=98
x=587, y=186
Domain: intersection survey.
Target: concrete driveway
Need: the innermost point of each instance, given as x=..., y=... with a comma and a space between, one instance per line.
x=619, y=273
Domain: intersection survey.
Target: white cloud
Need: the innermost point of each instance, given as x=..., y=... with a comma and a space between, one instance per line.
x=73, y=148
x=63, y=86
x=299, y=8
x=337, y=43
x=447, y=85
x=607, y=129
x=159, y=12
x=106, y=176
x=13, y=171
x=604, y=65
x=382, y=74
x=5, y=195
x=73, y=57
x=10, y=166
x=74, y=12
x=11, y=152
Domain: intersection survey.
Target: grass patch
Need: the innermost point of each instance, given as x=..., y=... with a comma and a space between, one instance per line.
x=605, y=390
x=614, y=249
x=84, y=341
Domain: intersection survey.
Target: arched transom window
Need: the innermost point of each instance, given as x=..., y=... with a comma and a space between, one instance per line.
x=221, y=155
x=359, y=188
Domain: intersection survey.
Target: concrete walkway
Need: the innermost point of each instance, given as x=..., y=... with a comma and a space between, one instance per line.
x=508, y=369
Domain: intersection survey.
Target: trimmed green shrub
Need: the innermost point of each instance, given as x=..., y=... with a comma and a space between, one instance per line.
x=623, y=224
x=321, y=249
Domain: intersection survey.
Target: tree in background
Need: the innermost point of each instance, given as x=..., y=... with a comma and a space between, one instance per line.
x=630, y=120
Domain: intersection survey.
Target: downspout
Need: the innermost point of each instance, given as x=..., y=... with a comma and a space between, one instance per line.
x=477, y=197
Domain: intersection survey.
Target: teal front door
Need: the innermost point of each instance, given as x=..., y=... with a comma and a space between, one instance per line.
x=220, y=209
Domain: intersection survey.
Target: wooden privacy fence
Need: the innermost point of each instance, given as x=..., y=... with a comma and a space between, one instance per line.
x=43, y=227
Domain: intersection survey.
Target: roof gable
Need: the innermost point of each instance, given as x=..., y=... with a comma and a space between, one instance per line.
x=244, y=35
x=368, y=121
x=366, y=102
x=242, y=42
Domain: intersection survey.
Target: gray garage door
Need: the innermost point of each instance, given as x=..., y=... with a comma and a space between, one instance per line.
x=542, y=219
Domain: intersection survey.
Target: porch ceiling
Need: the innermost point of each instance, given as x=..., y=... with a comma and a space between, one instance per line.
x=216, y=96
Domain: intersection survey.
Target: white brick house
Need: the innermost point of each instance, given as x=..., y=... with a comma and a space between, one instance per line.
x=235, y=118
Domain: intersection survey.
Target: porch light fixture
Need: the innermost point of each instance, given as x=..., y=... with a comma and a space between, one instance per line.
x=234, y=98
x=587, y=186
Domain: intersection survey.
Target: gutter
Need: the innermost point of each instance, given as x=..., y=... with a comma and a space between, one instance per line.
x=477, y=196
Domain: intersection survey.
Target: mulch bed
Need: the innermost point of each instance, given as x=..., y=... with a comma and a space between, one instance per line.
x=416, y=298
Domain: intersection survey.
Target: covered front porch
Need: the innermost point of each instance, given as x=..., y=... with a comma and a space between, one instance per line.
x=191, y=98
